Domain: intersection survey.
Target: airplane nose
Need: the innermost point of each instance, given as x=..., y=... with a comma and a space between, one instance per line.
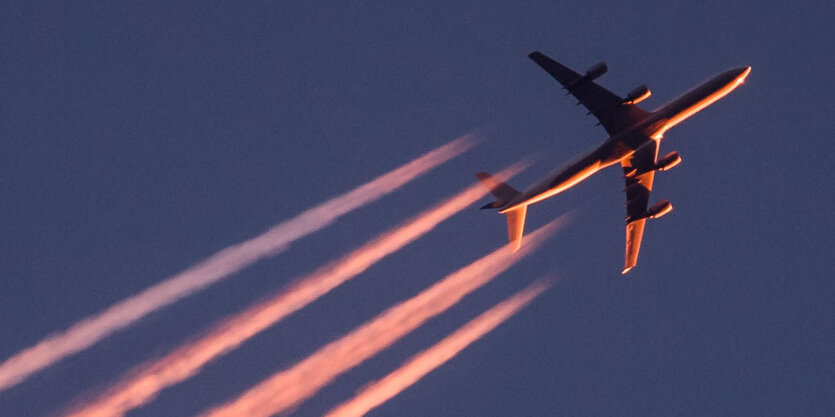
x=742, y=74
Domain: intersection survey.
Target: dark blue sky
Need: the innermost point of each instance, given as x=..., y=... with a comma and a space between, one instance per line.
x=140, y=139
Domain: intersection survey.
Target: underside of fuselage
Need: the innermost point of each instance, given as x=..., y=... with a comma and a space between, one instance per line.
x=609, y=153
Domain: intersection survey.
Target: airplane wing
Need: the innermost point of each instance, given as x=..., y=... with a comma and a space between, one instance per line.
x=606, y=106
x=637, y=199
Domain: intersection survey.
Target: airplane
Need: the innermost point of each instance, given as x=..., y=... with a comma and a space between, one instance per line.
x=634, y=138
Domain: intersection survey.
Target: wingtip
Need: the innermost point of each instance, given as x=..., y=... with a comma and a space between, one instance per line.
x=626, y=270
x=515, y=245
x=539, y=58
x=489, y=206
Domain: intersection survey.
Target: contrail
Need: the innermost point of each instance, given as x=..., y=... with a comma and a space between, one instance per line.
x=290, y=387
x=141, y=385
x=425, y=362
x=220, y=265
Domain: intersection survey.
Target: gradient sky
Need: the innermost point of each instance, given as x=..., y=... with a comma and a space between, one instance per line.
x=140, y=139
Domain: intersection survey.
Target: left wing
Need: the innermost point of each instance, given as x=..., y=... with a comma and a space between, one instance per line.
x=605, y=105
x=637, y=199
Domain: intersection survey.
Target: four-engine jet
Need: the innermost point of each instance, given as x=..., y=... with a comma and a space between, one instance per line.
x=634, y=138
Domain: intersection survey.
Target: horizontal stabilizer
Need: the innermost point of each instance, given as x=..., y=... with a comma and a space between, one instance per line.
x=503, y=192
x=516, y=226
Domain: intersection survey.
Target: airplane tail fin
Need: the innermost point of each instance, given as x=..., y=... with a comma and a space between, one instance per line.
x=504, y=194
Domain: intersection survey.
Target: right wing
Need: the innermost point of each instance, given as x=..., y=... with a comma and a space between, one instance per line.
x=605, y=105
x=637, y=199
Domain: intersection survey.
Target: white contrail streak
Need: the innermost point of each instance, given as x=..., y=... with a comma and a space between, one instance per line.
x=288, y=388
x=90, y=330
x=142, y=384
x=425, y=362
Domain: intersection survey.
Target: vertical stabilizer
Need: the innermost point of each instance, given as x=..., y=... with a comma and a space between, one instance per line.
x=516, y=226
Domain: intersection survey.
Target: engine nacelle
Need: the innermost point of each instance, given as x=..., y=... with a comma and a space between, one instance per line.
x=659, y=209
x=637, y=95
x=668, y=161
x=596, y=71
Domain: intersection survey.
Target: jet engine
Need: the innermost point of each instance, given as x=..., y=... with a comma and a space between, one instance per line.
x=596, y=71
x=668, y=161
x=659, y=209
x=637, y=95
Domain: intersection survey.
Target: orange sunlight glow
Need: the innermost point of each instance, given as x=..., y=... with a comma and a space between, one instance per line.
x=288, y=388
x=697, y=107
x=568, y=183
x=142, y=384
x=92, y=329
x=425, y=362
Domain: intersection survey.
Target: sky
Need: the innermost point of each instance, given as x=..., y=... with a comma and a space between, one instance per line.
x=141, y=139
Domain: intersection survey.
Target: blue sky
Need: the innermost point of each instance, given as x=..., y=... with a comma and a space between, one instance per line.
x=140, y=139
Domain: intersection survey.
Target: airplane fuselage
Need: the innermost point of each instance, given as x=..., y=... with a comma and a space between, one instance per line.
x=622, y=145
